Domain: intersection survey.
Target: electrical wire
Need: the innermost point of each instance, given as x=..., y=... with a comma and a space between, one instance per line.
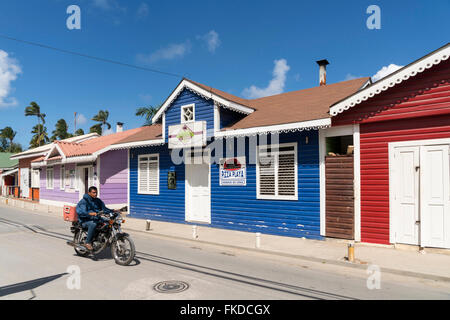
x=90, y=57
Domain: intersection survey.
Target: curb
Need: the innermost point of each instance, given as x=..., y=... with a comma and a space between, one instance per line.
x=300, y=257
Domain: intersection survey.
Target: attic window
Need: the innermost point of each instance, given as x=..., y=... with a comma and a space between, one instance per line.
x=188, y=113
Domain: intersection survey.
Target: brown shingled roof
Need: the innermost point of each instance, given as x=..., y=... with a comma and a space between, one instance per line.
x=153, y=132
x=298, y=106
x=223, y=94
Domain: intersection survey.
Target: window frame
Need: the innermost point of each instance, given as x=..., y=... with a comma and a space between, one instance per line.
x=47, y=180
x=276, y=196
x=182, y=112
x=139, y=173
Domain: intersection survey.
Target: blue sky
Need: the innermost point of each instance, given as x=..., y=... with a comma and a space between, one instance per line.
x=247, y=48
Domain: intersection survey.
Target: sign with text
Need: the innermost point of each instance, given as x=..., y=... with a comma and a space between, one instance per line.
x=233, y=172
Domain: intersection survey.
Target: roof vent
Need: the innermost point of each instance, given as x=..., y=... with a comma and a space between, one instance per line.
x=119, y=127
x=322, y=71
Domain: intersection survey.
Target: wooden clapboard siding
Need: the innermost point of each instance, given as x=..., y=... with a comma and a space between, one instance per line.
x=416, y=109
x=340, y=215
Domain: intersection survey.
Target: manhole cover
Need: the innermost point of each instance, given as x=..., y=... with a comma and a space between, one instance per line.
x=171, y=286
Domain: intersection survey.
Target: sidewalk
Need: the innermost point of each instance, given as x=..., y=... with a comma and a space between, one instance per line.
x=407, y=261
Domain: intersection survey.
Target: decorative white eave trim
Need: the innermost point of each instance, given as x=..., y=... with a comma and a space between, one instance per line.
x=282, y=128
x=58, y=148
x=136, y=144
x=64, y=161
x=393, y=79
x=203, y=93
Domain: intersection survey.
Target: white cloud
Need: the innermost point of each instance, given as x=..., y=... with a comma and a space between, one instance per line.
x=108, y=5
x=276, y=85
x=212, y=40
x=81, y=119
x=143, y=10
x=170, y=52
x=385, y=71
x=145, y=98
x=350, y=77
x=9, y=69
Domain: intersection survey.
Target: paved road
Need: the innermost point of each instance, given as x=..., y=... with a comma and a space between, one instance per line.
x=34, y=261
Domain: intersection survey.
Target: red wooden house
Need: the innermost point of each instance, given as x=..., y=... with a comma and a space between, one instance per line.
x=404, y=132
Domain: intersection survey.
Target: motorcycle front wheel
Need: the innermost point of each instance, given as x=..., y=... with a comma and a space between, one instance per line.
x=123, y=251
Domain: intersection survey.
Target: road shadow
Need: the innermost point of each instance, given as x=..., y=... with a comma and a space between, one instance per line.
x=28, y=285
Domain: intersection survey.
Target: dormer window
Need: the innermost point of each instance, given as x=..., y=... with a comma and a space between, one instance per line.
x=188, y=113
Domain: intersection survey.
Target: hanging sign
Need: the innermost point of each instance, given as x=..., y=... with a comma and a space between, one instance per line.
x=233, y=172
x=187, y=135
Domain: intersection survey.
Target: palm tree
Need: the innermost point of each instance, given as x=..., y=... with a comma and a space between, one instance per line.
x=148, y=113
x=60, y=131
x=34, y=110
x=79, y=132
x=102, y=117
x=9, y=134
x=40, y=134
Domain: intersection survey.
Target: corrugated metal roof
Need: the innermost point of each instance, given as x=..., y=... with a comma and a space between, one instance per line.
x=6, y=162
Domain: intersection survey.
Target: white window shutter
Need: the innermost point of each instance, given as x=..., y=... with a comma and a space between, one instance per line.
x=266, y=175
x=143, y=175
x=153, y=176
x=286, y=174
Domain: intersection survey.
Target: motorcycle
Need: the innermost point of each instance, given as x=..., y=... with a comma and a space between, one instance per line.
x=106, y=234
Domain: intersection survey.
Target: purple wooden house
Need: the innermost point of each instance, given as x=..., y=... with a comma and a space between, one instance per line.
x=69, y=169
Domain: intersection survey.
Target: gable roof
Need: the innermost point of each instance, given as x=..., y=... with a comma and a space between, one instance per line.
x=92, y=146
x=42, y=150
x=220, y=98
x=392, y=80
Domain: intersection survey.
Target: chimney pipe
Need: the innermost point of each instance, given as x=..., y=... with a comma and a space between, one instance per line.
x=322, y=71
x=119, y=127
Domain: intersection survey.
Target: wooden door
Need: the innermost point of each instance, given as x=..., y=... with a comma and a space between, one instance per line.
x=340, y=209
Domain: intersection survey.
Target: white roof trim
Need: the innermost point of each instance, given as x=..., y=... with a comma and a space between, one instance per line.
x=28, y=155
x=136, y=144
x=204, y=93
x=288, y=127
x=7, y=173
x=57, y=147
x=390, y=81
x=64, y=161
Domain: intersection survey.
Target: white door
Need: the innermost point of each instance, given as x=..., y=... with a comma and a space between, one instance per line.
x=198, y=193
x=435, y=196
x=85, y=179
x=24, y=182
x=406, y=194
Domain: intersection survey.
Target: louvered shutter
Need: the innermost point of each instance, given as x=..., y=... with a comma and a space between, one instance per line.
x=277, y=173
x=286, y=174
x=153, y=176
x=266, y=175
x=143, y=174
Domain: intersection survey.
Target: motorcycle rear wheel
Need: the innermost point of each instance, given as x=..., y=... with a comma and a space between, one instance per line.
x=126, y=253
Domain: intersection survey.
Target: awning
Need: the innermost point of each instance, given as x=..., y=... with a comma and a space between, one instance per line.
x=7, y=173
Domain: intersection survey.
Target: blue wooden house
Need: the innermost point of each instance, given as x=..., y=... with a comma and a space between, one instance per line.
x=216, y=159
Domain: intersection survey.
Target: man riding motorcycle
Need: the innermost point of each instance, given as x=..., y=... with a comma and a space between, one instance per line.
x=87, y=210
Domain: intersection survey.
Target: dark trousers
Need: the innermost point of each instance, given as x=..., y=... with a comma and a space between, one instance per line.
x=90, y=225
